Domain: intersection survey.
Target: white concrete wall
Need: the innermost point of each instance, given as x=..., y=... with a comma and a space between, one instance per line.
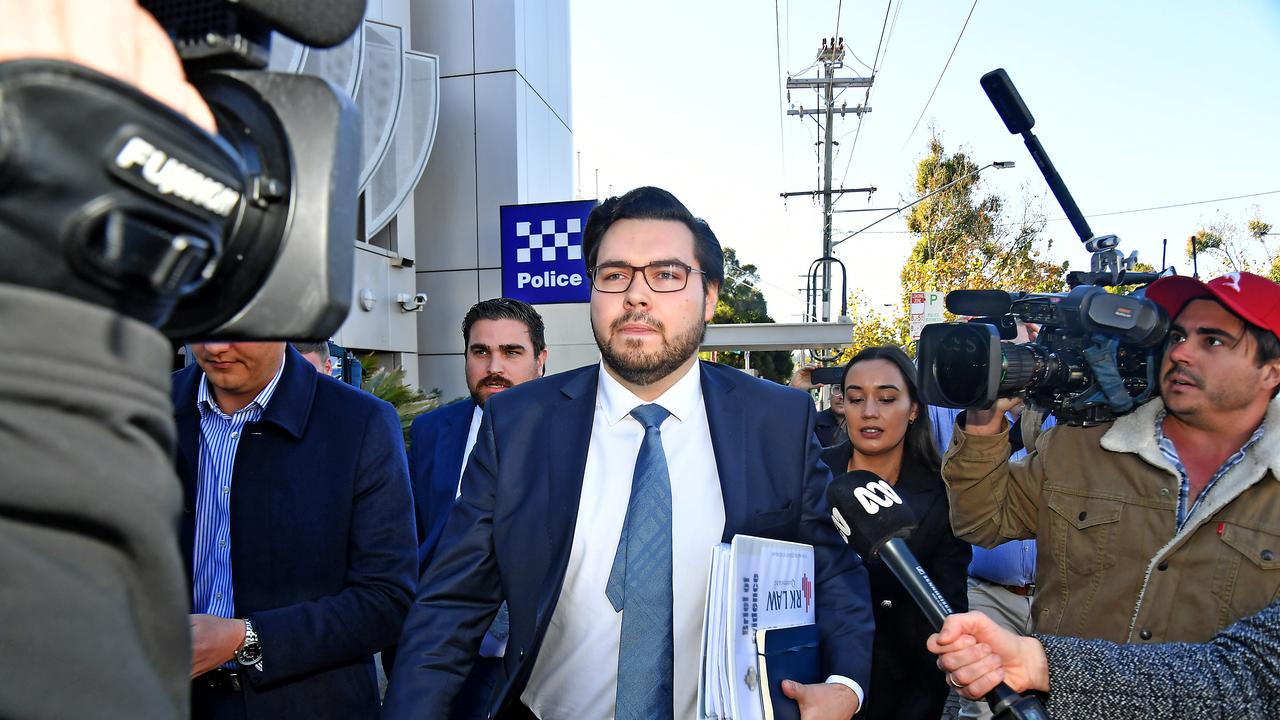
x=385, y=327
x=504, y=138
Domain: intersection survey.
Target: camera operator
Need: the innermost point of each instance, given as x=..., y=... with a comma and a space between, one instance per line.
x=92, y=588
x=1164, y=524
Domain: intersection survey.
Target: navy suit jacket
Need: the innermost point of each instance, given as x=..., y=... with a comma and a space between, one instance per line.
x=510, y=534
x=322, y=540
x=436, y=442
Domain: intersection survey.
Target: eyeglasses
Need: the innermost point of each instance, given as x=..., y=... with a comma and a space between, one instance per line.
x=662, y=277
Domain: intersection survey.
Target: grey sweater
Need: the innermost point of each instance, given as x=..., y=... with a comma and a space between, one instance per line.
x=1234, y=675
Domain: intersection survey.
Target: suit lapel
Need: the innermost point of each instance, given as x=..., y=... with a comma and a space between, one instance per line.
x=727, y=420
x=449, y=450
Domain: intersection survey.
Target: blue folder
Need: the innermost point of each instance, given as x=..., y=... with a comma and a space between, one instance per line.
x=785, y=654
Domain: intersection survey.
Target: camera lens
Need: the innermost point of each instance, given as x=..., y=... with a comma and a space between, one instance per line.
x=1021, y=367
x=963, y=377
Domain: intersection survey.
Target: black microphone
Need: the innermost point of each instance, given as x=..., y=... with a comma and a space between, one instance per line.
x=871, y=517
x=978, y=302
x=319, y=23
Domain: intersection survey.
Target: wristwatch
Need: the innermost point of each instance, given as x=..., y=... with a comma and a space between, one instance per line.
x=250, y=653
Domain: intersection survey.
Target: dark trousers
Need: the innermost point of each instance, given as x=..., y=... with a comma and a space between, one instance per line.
x=216, y=704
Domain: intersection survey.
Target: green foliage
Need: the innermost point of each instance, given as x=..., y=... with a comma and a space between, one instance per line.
x=968, y=241
x=741, y=302
x=1229, y=245
x=871, y=328
x=389, y=385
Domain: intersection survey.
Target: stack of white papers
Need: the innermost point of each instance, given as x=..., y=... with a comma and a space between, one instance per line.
x=754, y=584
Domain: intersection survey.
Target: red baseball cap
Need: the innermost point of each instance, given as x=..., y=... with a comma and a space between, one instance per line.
x=1252, y=297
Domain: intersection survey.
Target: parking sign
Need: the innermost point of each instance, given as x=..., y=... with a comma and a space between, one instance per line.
x=542, y=259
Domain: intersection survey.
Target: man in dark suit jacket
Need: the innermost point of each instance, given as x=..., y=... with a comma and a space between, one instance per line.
x=298, y=530
x=546, y=491
x=505, y=346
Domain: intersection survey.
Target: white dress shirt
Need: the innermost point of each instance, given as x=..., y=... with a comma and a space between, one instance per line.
x=476, y=415
x=576, y=672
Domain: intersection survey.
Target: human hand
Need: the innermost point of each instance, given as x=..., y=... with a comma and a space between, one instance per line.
x=113, y=37
x=977, y=654
x=214, y=641
x=802, y=378
x=822, y=701
x=990, y=421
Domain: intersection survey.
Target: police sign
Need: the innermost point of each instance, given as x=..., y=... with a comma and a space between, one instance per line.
x=542, y=252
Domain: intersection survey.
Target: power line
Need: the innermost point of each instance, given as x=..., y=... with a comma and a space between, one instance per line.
x=1107, y=214
x=944, y=72
x=839, y=11
x=866, y=99
x=782, y=108
x=1175, y=205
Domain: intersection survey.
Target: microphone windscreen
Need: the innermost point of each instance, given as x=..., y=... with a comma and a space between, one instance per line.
x=978, y=303
x=319, y=23
x=1007, y=102
x=867, y=511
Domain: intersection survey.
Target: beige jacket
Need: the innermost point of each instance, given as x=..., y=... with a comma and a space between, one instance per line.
x=1102, y=501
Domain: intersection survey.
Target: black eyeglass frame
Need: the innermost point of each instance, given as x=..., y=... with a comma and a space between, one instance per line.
x=642, y=271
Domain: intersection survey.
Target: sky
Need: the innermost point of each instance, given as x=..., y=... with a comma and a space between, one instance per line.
x=1139, y=104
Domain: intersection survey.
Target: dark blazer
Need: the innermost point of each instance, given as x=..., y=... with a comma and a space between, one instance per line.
x=510, y=534
x=905, y=680
x=322, y=540
x=436, y=442
x=828, y=428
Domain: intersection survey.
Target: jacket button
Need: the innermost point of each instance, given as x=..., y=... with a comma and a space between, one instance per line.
x=1163, y=566
x=1267, y=555
x=886, y=604
x=1083, y=515
x=1164, y=492
x=1145, y=634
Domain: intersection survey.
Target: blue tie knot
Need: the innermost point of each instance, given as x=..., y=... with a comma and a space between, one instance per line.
x=651, y=415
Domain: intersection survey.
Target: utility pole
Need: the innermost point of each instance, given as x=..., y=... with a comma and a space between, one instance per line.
x=831, y=55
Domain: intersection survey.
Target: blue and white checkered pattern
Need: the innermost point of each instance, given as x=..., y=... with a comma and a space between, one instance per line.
x=548, y=239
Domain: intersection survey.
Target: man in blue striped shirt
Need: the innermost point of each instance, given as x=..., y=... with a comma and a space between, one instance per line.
x=299, y=531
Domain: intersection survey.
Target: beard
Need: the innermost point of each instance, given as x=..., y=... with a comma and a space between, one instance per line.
x=645, y=368
x=478, y=391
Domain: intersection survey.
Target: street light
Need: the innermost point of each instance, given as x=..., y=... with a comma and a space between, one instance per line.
x=999, y=165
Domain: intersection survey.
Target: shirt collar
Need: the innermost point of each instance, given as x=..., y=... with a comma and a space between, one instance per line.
x=1162, y=440
x=206, y=404
x=681, y=399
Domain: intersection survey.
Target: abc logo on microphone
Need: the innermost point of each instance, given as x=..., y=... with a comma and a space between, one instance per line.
x=872, y=497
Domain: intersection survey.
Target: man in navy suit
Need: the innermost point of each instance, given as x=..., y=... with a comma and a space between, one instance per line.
x=297, y=531
x=505, y=346
x=560, y=463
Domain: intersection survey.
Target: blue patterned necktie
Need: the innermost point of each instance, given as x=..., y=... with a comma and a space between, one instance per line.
x=640, y=582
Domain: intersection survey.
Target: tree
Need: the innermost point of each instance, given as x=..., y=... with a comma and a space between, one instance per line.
x=964, y=240
x=742, y=302
x=1227, y=245
x=871, y=328
x=389, y=385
